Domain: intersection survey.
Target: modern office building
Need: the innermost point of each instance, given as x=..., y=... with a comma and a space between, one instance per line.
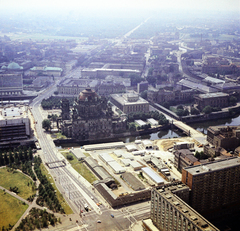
x=169, y=212
x=215, y=187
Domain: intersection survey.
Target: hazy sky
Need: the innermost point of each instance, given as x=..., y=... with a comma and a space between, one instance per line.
x=216, y=5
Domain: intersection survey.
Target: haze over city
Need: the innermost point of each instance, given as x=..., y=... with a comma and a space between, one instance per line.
x=119, y=115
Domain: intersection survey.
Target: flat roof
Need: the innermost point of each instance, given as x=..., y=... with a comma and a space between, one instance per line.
x=78, y=153
x=116, y=167
x=154, y=176
x=120, y=99
x=212, y=95
x=106, y=157
x=213, y=166
x=103, y=146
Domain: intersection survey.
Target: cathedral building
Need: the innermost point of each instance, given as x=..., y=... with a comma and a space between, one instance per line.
x=91, y=118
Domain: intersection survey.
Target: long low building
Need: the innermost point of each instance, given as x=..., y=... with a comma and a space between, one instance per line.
x=101, y=146
x=133, y=181
x=153, y=175
x=117, y=168
x=77, y=152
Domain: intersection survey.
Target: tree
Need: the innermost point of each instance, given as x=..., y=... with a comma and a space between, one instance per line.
x=232, y=100
x=135, y=79
x=194, y=111
x=180, y=107
x=46, y=124
x=69, y=157
x=132, y=127
x=207, y=109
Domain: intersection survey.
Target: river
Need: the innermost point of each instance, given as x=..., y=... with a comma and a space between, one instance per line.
x=169, y=133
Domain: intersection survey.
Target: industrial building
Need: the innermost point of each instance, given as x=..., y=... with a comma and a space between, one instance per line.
x=101, y=146
x=214, y=186
x=155, y=178
x=134, y=183
x=77, y=152
x=170, y=212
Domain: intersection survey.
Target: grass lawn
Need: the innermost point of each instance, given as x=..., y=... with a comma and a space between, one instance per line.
x=11, y=209
x=60, y=197
x=18, y=179
x=81, y=168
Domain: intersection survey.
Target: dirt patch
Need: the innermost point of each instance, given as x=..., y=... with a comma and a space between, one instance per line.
x=165, y=144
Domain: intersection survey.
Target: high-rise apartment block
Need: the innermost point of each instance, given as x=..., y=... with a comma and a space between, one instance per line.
x=215, y=187
x=169, y=212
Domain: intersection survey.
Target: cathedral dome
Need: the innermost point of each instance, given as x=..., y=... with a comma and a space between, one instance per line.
x=14, y=66
x=87, y=94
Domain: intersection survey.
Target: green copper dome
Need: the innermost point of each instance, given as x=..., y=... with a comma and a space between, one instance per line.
x=14, y=66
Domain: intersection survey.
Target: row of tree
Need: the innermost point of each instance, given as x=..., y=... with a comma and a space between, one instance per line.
x=16, y=157
x=47, y=196
x=54, y=102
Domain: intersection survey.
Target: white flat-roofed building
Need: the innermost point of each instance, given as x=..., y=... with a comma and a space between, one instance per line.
x=183, y=145
x=101, y=146
x=118, y=153
x=125, y=162
x=136, y=165
x=131, y=148
x=77, y=152
x=152, y=121
x=105, y=157
x=117, y=168
x=147, y=144
x=127, y=156
x=139, y=153
x=153, y=175
x=140, y=122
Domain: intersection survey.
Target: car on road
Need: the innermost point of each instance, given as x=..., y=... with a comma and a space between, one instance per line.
x=112, y=215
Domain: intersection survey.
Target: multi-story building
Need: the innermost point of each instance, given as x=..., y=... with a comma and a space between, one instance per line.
x=52, y=71
x=142, y=86
x=130, y=102
x=169, y=210
x=15, y=126
x=11, y=84
x=184, y=158
x=227, y=137
x=217, y=99
x=214, y=186
x=74, y=86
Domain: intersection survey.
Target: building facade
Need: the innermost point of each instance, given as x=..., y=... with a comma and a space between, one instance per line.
x=227, y=137
x=11, y=84
x=217, y=99
x=130, y=102
x=214, y=186
x=171, y=213
x=184, y=158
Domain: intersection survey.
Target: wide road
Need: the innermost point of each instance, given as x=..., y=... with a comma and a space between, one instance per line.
x=75, y=189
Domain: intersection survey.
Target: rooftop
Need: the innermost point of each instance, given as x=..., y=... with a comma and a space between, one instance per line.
x=185, y=209
x=213, y=166
x=212, y=95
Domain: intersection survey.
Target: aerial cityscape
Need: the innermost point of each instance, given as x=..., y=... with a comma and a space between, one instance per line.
x=120, y=116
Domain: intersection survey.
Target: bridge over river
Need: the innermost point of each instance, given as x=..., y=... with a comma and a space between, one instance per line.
x=198, y=136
